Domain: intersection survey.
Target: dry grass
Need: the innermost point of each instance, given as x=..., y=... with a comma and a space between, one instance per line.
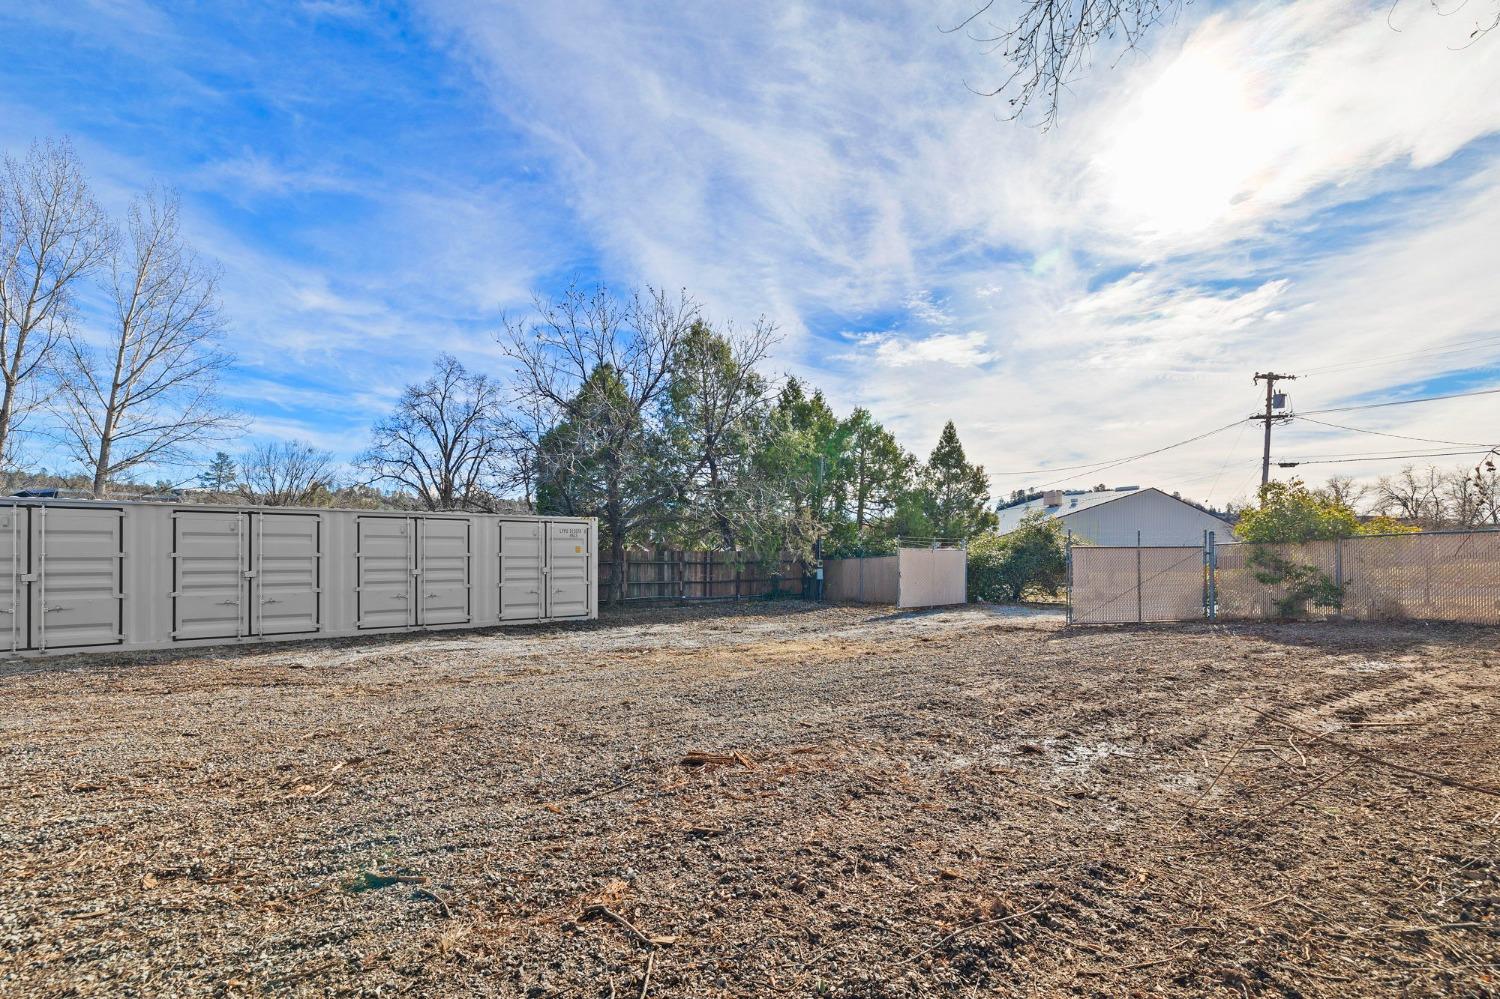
x=768, y=799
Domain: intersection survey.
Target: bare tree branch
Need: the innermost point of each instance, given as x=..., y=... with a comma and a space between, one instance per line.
x=443, y=441
x=148, y=396
x=285, y=473
x=51, y=235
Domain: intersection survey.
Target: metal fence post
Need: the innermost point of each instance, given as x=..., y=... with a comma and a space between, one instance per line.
x=1338, y=575
x=1068, y=575
x=1213, y=577
x=1140, y=614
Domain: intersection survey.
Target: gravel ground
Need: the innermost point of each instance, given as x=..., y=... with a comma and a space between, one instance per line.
x=761, y=799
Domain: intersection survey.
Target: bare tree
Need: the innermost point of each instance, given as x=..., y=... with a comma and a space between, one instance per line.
x=600, y=369
x=1045, y=42
x=1412, y=495
x=148, y=395
x=1347, y=490
x=285, y=473
x=442, y=441
x=1463, y=499
x=51, y=235
x=1050, y=40
x=1487, y=484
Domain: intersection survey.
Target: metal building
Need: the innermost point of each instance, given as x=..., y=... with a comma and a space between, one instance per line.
x=79, y=576
x=1125, y=515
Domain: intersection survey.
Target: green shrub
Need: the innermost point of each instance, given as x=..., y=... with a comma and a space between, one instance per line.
x=1306, y=585
x=1004, y=568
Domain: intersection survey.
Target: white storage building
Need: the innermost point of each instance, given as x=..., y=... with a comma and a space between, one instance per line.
x=1114, y=517
x=83, y=575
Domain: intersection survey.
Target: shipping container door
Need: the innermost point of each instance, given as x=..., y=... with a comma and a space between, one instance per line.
x=568, y=570
x=76, y=598
x=210, y=553
x=520, y=570
x=444, y=583
x=384, y=582
x=15, y=536
x=287, y=573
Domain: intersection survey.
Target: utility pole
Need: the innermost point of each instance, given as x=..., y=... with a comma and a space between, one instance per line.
x=1274, y=401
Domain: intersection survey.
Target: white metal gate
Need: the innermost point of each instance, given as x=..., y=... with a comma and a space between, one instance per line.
x=75, y=593
x=567, y=570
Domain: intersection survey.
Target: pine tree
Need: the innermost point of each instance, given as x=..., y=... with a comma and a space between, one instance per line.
x=220, y=475
x=956, y=494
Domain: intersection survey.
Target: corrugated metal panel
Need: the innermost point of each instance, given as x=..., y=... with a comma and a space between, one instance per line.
x=288, y=573
x=385, y=572
x=444, y=583
x=208, y=558
x=15, y=538
x=76, y=599
x=154, y=576
x=1114, y=518
x=520, y=570
x=569, y=580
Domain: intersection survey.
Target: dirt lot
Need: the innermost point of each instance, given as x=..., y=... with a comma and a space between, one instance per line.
x=758, y=800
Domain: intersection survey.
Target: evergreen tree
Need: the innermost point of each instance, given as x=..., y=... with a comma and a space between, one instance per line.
x=715, y=416
x=221, y=474
x=956, y=494
x=798, y=460
x=874, y=470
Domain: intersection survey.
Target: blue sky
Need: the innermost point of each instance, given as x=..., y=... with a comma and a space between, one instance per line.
x=1296, y=186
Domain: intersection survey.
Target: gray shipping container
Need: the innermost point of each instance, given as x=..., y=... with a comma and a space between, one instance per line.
x=84, y=576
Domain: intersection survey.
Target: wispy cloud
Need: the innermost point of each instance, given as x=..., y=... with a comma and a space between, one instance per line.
x=1293, y=185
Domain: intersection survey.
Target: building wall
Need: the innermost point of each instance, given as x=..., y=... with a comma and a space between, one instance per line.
x=1160, y=519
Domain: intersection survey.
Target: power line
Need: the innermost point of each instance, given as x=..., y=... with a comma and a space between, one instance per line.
x=1459, y=347
x=1381, y=433
x=1371, y=457
x=1425, y=452
x=1402, y=402
x=1228, y=455
x=1109, y=463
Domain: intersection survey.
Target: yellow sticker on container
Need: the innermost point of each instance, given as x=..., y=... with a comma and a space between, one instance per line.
x=578, y=549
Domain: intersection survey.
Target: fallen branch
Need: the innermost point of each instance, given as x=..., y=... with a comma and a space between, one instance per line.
x=646, y=982
x=442, y=903
x=1443, y=779
x=1212, y=784
x=627, y=926
x=979, y=925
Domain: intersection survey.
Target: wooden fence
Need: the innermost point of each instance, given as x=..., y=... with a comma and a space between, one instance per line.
x=675, y=574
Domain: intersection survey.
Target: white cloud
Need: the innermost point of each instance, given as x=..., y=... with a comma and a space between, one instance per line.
x=1210, y=207
x=894, y=350
x=765, y=164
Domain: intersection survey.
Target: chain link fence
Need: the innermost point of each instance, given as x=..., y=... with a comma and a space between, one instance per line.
x=1134, y=585
x=1434, y=576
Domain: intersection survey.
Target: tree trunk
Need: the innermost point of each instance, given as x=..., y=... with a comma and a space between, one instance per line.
x=617, y=567
x=7, y=407
x=101, y=468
